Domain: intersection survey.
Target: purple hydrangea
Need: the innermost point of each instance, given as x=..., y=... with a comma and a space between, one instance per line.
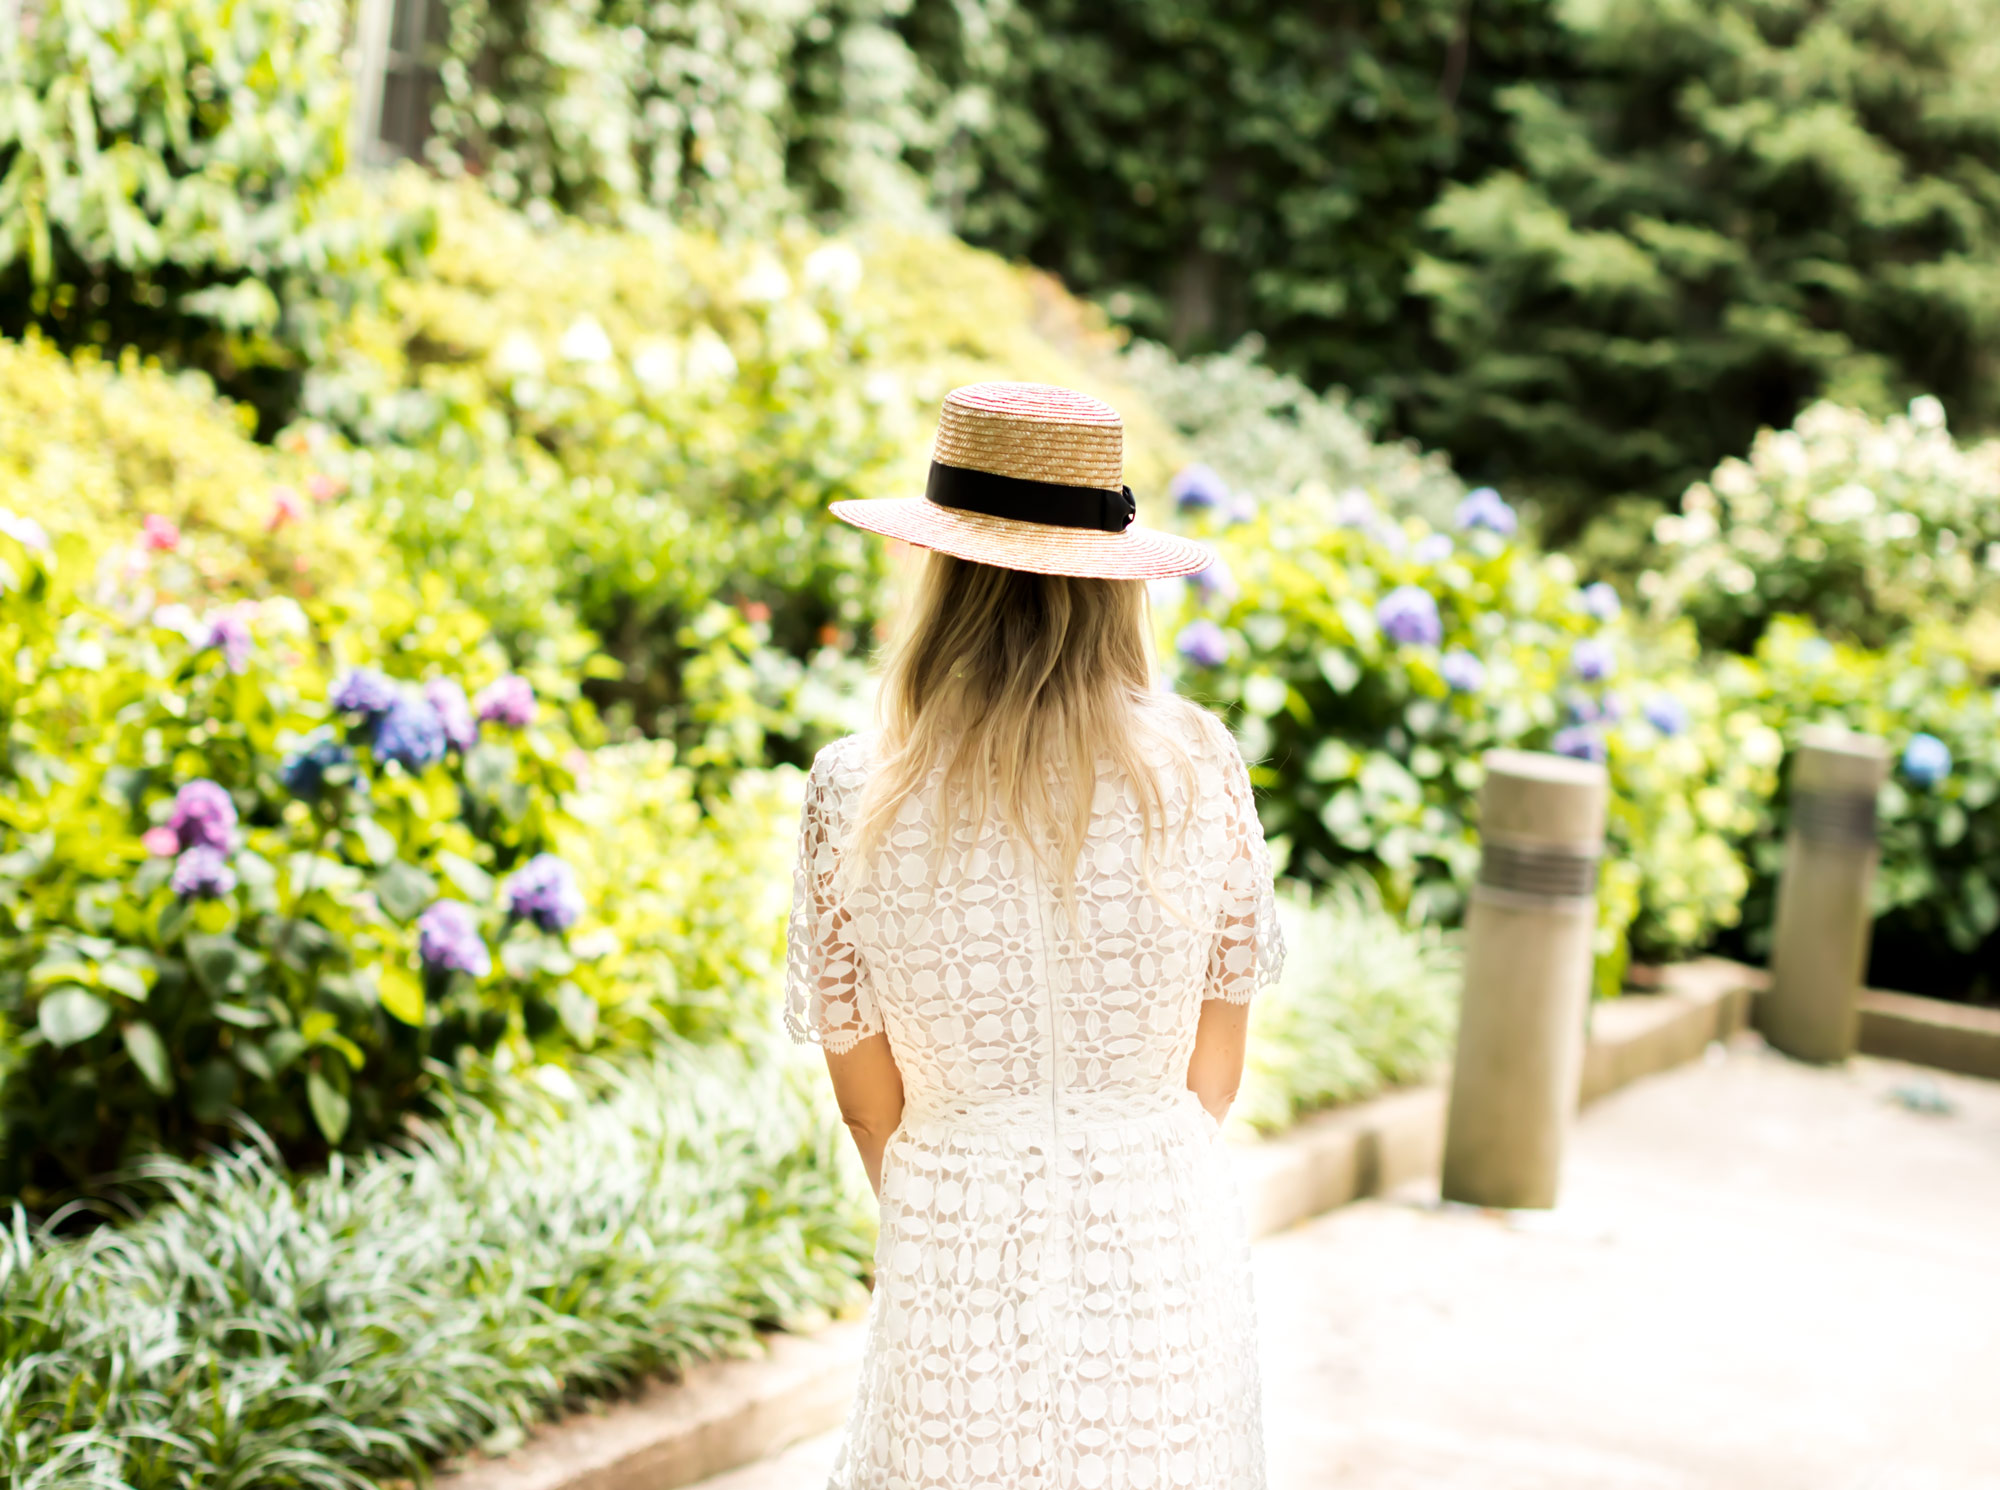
x=1462, y=672
x=304, y=774
x=1593, y=660
x=204, y=816
x=364, y=691
x=1216, y=582
x=1926, y=760
x=448, y=940
x=508, y=702
x=1666, y=714
x=202, y=873
x=1198, y=486
x=1600, y=601
x=1433, y=548
x=461, y=730
x=1409, y=616
x=1583, y=742
x=229, y=633
x=1203, y=643
x=1583, y=709
x=410, y=734
x=1484, y=507
x=544, y=891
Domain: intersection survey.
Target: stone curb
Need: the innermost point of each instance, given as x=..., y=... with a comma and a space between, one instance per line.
x=723, y=1414
x=1931, y=1032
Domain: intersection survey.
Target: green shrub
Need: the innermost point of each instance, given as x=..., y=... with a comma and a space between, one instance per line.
x=148, y=993
x=1865, y=528
x=1937, y=897
x=1368, y=748
x=171, y=178
x=734, y=116
x=1721, y=210
x=1364, y=1004
x=344, y=1329
x=96, y=450
x=579, y=424
x=1269, y=434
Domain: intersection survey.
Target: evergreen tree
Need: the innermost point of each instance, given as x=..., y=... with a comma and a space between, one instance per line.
x=1726, y=209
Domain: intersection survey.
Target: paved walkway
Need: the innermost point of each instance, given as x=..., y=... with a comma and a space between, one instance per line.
x=1761, y=1277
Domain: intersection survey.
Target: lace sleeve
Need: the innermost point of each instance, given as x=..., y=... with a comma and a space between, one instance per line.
x=1249, y=949
x=827, y=998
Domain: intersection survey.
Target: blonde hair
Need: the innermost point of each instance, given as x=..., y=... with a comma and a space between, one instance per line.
x=1018, y=684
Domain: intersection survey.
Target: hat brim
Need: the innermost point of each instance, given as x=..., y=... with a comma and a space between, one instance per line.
x=1038, y=548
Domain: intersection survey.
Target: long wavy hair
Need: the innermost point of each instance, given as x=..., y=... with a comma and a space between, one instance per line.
x=1019, y=685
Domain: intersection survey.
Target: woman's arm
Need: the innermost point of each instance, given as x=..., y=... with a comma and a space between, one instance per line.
x=1216, y=1068
x=869, y=1089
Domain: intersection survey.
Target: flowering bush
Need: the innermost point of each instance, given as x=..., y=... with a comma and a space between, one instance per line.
x=1368, y=664
x=1865, y=527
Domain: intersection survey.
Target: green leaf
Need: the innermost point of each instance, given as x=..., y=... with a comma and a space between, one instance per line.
x=1339, y=669
x=175, y=917
x=329, y=1107
x=221, y=966
x=241, y=1015
x=122, y=977
x=404, y=890
x=70, y=1015
x=474, y=883
x=378, y=844
x=401, y=993
x=578, y=1012
x=283, y=1047
x=149, y=1054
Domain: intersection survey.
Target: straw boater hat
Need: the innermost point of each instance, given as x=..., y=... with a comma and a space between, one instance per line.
x=1025, y=476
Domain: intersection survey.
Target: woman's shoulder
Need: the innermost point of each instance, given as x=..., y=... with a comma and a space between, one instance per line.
x=1197, y=729
x=842, y=767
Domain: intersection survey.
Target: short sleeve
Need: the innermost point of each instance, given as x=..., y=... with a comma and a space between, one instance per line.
x=1249, y=949
x=827, y=998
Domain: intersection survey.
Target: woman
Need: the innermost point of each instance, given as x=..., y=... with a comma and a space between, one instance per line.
x=1030, y=912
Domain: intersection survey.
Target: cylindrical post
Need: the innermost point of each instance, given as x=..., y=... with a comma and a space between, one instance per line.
x=1819, y=948
x=1528, y=939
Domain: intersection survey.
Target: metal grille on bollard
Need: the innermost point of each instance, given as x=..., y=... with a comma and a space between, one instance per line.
x=1528, y=953
x=1819, y=947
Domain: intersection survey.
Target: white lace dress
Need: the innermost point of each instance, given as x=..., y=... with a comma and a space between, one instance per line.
x=1062, y=1282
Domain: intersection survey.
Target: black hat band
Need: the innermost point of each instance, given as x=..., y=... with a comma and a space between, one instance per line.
x=1031, y=501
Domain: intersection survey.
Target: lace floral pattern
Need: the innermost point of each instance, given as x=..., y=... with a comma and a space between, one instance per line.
x=1062, y=1293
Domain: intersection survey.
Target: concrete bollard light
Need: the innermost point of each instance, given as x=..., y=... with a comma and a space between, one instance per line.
x=1819, y=945
x=1528, y=955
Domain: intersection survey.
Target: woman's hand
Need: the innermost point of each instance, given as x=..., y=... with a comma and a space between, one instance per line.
x=869, y=1089
x=1215, y=1069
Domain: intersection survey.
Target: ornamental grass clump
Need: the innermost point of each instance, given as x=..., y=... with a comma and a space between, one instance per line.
x=261, y=1327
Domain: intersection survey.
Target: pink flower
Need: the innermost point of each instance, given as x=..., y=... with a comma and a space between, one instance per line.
x=286, y=506
x=161, y=842
x=159, y=533
x=322, y=487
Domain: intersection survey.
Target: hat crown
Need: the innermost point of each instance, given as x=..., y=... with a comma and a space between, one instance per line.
x=1032, y=432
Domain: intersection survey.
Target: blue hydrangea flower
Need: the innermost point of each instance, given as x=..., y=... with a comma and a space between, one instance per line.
x=1666, y=714
x=204, y=816
x=362, y=690
x=1600, y=601
x=544, y=891
x=1198, y=486
x=461, y=730
x=1926, y=760
x=202, y=873
x=1583, y=709
x=1409, y=616
x=1583, y=742
x=410, y=734
x=508, y=702
x=304, y=774
x=1203, y=644
x=448, y=940
x=1216, y=582
x=1462, y=672
x=1484, y=507
x=229, y=633
x=1593, y=660
x=1434, y=548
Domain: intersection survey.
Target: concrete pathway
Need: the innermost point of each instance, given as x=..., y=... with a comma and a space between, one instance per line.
x=1762, y=1276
